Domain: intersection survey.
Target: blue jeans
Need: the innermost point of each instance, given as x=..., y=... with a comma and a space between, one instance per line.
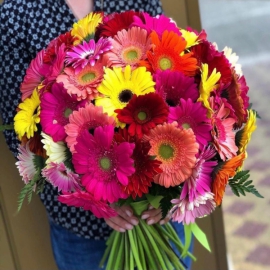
x=72, y=252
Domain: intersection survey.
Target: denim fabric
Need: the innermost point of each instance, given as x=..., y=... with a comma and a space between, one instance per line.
x=72, y=252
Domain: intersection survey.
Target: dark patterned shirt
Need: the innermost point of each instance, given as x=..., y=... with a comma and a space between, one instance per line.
x=28, y=26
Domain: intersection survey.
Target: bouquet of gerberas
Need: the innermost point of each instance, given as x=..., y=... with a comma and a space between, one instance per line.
x=131, y=109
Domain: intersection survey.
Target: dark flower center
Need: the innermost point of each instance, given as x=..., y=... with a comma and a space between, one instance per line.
x=125, y=96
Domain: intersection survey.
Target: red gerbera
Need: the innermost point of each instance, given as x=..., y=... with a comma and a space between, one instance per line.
x=143, y=113
x=116, y=22
x=145, y=167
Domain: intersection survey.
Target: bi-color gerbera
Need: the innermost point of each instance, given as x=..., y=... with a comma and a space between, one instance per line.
x=56, y=106
x=86, y=118
x=168, y=53
x=105, y=166
x=87, y=201
x=192, y=37
x=84, y=83
x=192, y=115
x=174, y=85
x=143, y=113
x=129, y=47
x=87, y=53
x=27, y=118
x=61, y=177
x=119, y=85
x=176, y=149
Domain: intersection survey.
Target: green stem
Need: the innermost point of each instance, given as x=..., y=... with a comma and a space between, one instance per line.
x=134, y=250
x=113, y=251
x=127, y=252
x=119, y=256
x=108, y=249
x=140, y=248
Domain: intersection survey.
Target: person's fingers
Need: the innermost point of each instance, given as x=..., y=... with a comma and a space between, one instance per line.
x=152, y=215
x=115, y=226
x=126, y=213
x=166, y=219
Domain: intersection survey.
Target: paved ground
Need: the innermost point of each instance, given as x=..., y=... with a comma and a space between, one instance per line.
x=244, y=25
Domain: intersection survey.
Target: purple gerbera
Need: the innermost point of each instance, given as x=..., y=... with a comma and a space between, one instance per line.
x=194, y=116
x=104, y=164
x=87, y=53
x=173, y=86
x=56, y=106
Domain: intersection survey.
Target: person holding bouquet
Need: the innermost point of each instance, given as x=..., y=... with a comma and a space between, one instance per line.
x=27, y=26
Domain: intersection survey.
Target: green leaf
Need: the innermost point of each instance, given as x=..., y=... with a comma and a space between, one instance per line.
x=39, y=162
x=154, y=200
x=188, y=237
x=6, y=127
x=240, y=185
x=200, y=236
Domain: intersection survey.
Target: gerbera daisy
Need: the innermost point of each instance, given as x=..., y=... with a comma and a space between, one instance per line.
x=87, y=118
x=84, y=83
x=145, y=166
x=168, y=52
x=27, y=118
x=143, y=113
x=208, y=85
x=35, y=145
x=186, y=212
x=61, y=177
x=192, y=115
x=105, y=165
x=56, y=106
x=129, y=47
x=34, y=75
x=176, y=149
x=25, y=163
x=87, y=53
x=85, y=28
x=192, y=37
x=119, y=86
x=116, y=22
x=222, y=133
x=233, y=58
x=87, y=201
x=173, y=86
x=225, y=171
x=56, y=151
x=158, y=24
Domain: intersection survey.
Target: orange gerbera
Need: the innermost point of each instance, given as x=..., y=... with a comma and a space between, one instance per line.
x=168, y=53
x=224, y=172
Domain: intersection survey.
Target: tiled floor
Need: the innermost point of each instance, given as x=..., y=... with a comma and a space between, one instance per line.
x=242, y=26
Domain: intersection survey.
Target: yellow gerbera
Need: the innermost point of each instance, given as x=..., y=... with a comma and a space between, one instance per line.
x=119, y=85
x=190, y=37
x=26, y=119
x=85, y=28
x=208, y=84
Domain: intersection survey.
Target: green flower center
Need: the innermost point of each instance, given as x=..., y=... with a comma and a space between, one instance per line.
x=142, y=116
x=125, y=96
x=185, y=126
x=88, y=77
x=166, y=151
x=67, y=112
x=165, y=63
x=105, y=163
x=131, y=55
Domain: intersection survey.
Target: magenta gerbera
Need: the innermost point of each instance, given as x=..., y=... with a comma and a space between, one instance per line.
x=55, y=110
x=61, y=177
x=87, y=53
x=87, y=201
x=86, y=118
x=172, y=86
x=194, y=116
x=104, y=164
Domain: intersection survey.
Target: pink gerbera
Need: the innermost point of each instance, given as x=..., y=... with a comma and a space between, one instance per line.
x=87, y=53
x=172, y=86
x=186, y=211
x=158, y=24
x=176, y=149
x=61, y=177
x=104, y=164
x=194, y=116
x=129, y=47
x=83, y=83
x=87, y=201
x=55, y=110
x=222, y=131
x=36, y=72
x=87, y=118
x=25, y=163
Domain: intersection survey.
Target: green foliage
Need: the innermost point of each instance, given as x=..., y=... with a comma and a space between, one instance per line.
x=68, y=160
x=6, y=127
x=39, y=162
x=241, y=184
x=250, y=108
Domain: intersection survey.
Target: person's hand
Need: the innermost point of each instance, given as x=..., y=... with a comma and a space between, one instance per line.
x=125, y=219
x=153, y=216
